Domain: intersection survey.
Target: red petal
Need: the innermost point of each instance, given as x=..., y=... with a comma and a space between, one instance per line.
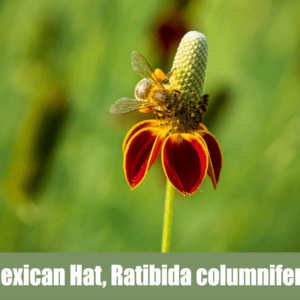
x=202, y=127
x=136, y=128
x=216, y=158
x=185, y=161
x=141, y=152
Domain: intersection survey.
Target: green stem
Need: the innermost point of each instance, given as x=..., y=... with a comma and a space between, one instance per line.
x=168, y=217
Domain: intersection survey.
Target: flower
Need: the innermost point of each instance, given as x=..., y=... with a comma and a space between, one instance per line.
x=189, y=151
x=186, y=157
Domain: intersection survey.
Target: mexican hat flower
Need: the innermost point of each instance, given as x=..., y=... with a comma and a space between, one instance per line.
x=188, y=150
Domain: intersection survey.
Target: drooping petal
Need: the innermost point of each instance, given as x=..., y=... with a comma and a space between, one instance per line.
x=141, y=152
x=210, y=169
x=216, y=158
x=185, y=161
x=139, y=126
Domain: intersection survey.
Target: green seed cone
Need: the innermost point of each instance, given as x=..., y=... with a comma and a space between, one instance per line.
x=190, y=64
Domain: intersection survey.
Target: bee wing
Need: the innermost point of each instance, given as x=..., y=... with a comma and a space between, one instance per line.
x=126, y=105
x=141, y=67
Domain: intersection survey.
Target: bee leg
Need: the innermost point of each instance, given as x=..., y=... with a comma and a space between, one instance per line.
x=173, y=119
x=185, y=96
x=167, y=78
x=174, y=116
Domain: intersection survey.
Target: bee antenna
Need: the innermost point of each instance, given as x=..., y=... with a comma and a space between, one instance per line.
x=168, y=104
x=185, y=96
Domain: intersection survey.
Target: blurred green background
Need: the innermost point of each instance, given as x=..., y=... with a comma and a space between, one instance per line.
x=62, y=65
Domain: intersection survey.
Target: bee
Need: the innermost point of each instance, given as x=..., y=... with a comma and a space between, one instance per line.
x=150, y=93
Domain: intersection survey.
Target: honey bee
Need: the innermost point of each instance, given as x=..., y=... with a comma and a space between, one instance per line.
x=150, y=93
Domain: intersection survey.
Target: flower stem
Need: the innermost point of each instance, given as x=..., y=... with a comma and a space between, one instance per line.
x=168, y=217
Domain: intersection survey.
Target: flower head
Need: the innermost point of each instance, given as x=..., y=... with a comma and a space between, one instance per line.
x=189, y=151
